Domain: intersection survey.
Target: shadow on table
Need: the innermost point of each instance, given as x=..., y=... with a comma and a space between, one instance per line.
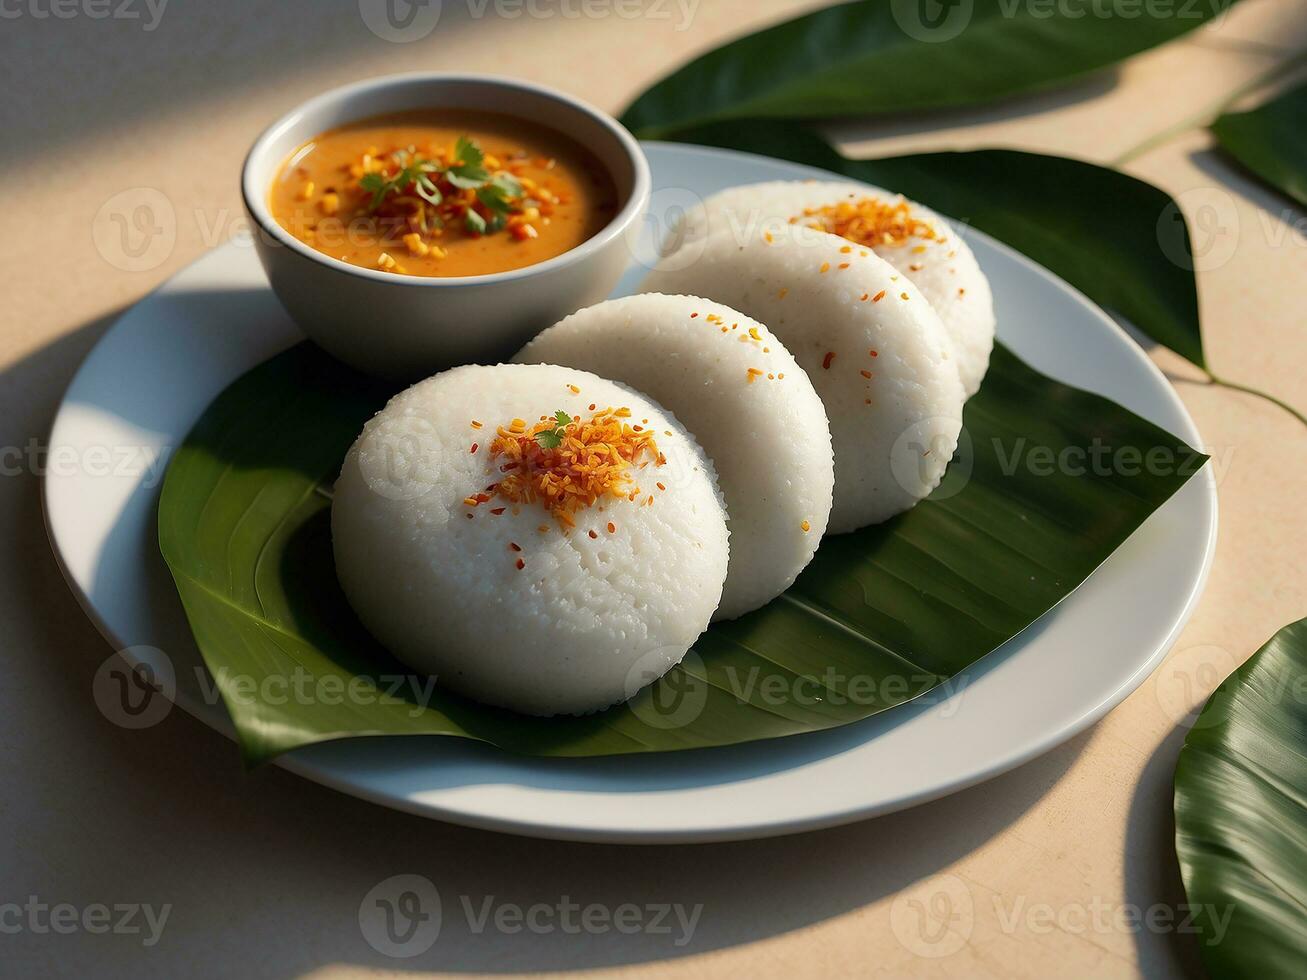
x=1152, y=873
x=274, y=864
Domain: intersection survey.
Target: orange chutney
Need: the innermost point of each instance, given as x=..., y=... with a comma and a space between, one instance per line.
x=442, y=193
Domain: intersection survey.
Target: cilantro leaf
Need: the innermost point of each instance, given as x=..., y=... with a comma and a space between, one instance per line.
x=549, y=439
x=375, y=183
x=475, y=223
x=553, y=438
x=467, y=153
x=493, y=198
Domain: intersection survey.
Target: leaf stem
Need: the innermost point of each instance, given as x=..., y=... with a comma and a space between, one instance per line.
x=1235, y=386
x=1206, y=116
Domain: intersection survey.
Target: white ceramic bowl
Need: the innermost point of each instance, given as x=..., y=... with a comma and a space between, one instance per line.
x=410, y=326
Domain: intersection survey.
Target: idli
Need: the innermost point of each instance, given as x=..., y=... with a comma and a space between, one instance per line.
x=748, y=403
x=536, y=537
x=874, y=349
x=919, y=243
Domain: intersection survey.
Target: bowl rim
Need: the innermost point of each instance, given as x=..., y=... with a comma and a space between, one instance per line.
x=254, y=197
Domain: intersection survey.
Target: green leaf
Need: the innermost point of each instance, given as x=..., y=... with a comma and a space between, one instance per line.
x=549, y=439
x=1119, y=240
x=467, y=153
x=1271, y=141
x=898, y=55
x=1241, y=815
x=879, y=617
x=475, y=223
x=493, y=198
x=468, y=172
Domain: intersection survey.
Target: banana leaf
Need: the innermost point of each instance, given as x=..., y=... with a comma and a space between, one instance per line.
x=1271, y=142
x=878, y=618
x=1241, y=815
x=898, y=55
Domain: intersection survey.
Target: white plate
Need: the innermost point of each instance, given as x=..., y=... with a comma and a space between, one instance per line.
x=152, y=374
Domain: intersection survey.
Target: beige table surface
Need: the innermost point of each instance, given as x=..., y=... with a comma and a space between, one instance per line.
x=265, y=873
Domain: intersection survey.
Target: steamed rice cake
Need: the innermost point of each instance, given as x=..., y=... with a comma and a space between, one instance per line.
x=749, y=404
x=534, y=536
x=875, y=350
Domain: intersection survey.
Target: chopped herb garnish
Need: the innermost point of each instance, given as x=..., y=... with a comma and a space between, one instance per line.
x=553, y=438
x=498, y=199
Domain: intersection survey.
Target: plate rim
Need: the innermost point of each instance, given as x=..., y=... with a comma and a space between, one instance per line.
x=762, y=827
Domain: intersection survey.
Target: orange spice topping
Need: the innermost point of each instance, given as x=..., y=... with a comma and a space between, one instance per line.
x=806, y=526
x=865, y=374
x=878, y=297
x=475, y=447
x=873, y=353
x=520, y=564
x=476, y=424
x=574, y=389
x=515, y=546
x=612, y=528
x=903, y=295
x=871, y=221
x=863, y=297
x=592, y=534
x=825, y=267
x=567, y=467
x=844, y=265
x=825, y=361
